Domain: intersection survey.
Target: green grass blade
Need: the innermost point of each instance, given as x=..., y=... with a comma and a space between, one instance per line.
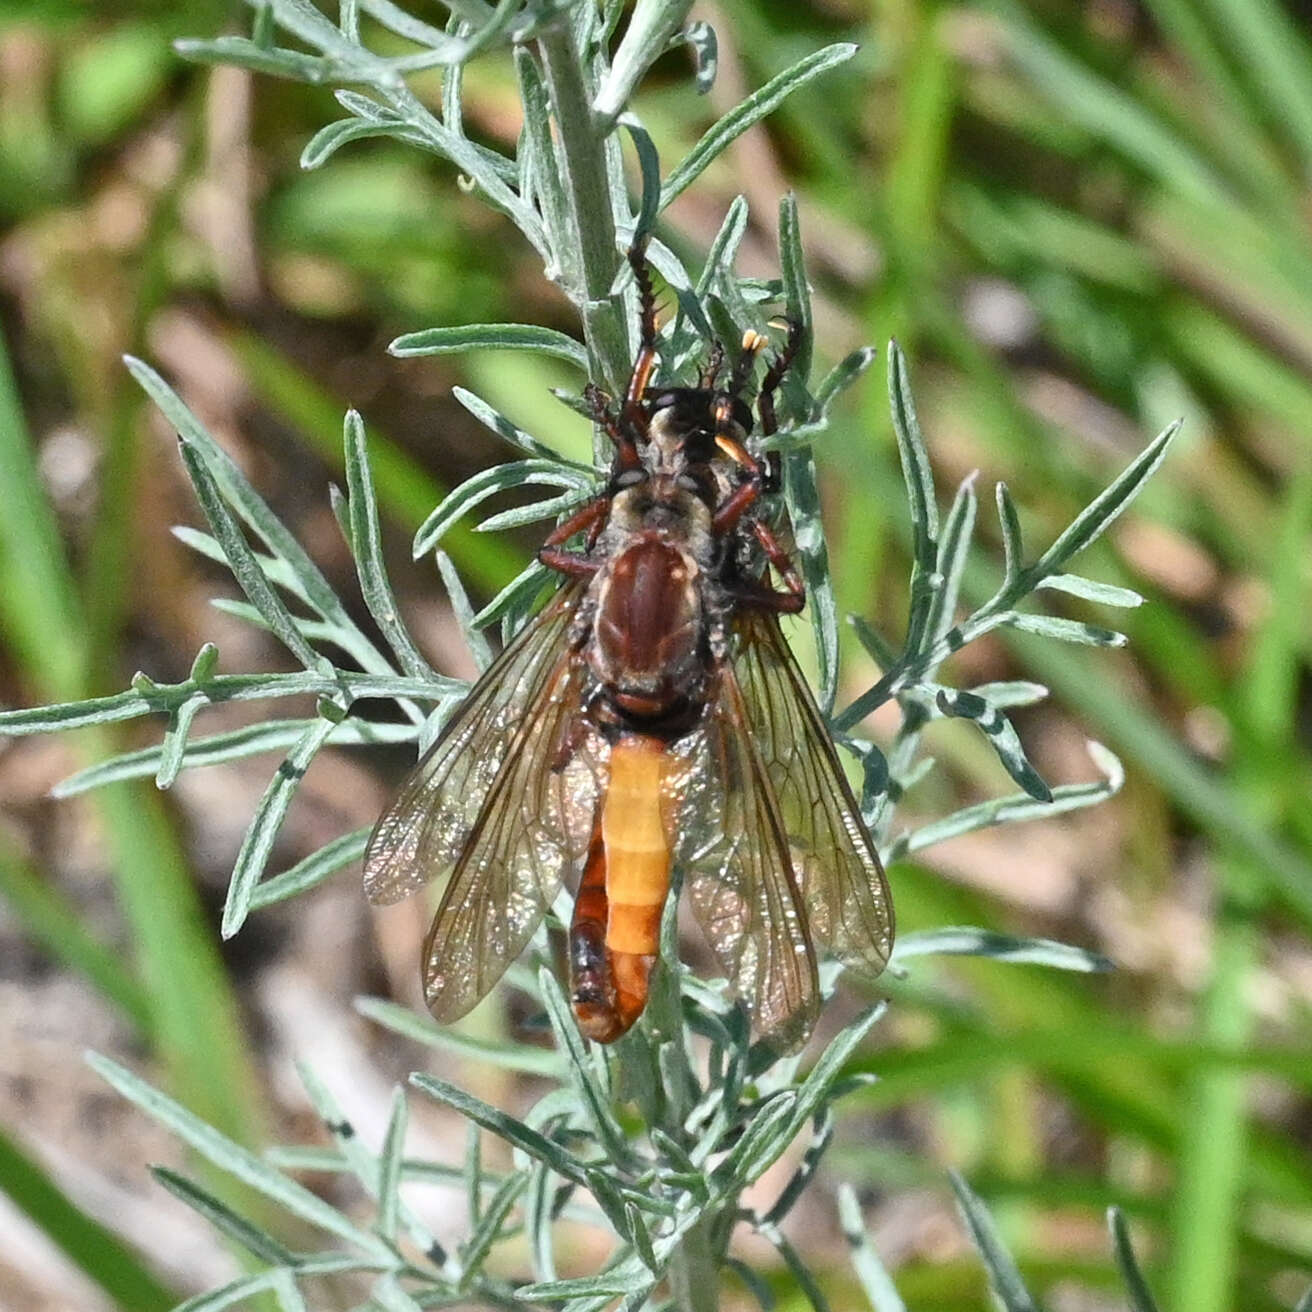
x=49, y=919
x=94, y=1249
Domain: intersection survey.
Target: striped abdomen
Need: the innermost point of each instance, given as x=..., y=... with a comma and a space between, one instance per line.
x=615, y=933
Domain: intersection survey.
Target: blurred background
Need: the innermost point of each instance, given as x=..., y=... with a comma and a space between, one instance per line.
x=1081, y=221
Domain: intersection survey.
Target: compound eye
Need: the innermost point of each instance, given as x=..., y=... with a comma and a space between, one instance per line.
x=665, y=400
x=628, y=478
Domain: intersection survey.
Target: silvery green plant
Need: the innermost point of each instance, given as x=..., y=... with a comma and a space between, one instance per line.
x=708, y=1112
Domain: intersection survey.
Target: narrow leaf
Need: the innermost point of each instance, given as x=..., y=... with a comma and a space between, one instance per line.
x=241, y=560
x=367, y=548
x=953, y=550
x=487, y=483
x=594, y=1098
x=232, y=1158
x=1006, y=742
x=1105, y=594
x=513, y=1131
x=1010, y=693
x=488, y=1229
x=749, y=112
x=724, y=248
x=257, y=845
x=312, y=870
x=517, y=437
x=479, y=647
x=492, y=337
x=875, y=1280
x=608, y=1285
x=1141, y=1299
x=880, y=649
x=516, y=598
x=649, y=165
x=389, y=1168
x=1023, y=806
x=1095, y=518
x=1003, y=1275
x=240, y=52
x=846, y=372
x=1012, y=542
x=534, y=512
x=972, y=942
x=1051, y=626
x=223, y=1218
x=330, y=139
x=174, y=746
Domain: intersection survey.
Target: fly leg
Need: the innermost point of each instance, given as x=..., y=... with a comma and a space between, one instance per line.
x=575, y=564
x=759, y=593
x=774, y=376
x=714, y=363
x=626, y=450
x=633, y=416
x=744, y=496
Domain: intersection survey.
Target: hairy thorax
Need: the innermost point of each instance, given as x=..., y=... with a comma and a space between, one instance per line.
x=651, y=630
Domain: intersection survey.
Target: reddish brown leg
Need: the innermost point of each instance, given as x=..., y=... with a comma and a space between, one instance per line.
x=737, y=503
x=774, y=375
x=759, y=593
x=714, y=363
x=632, y=416
x=594, y=512
x=626, y=450
x=794, y=598
x=575, y=564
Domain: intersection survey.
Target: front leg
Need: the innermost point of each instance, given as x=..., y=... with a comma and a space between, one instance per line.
x=576, y=564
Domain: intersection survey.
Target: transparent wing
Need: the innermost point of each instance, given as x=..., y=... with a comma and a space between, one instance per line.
x=534, y=826
x=421, y=835
x=838, y=870
x=503, y=805
x=733, y=850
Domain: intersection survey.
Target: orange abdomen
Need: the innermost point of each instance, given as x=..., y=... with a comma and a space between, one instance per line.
x=615, y=933
x=636, y=848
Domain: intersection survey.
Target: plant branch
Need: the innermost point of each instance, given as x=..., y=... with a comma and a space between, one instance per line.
x=580, y=146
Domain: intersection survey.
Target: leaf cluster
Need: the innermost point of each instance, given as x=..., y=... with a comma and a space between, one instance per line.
x=710, y=1125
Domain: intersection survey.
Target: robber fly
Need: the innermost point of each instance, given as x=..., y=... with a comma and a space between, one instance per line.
x=650, y=718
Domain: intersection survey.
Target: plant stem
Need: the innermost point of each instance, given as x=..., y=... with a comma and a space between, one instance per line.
x=587, y=187
x=693, y=1271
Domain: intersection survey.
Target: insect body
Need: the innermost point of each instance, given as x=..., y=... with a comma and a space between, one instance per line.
x=650, y=719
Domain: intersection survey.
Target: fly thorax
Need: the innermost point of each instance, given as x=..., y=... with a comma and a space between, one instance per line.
x=649, y=634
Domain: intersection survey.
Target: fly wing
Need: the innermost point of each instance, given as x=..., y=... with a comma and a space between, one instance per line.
x=733, y=850
x=502, y=806
x=421, y=835
x=838, y=868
